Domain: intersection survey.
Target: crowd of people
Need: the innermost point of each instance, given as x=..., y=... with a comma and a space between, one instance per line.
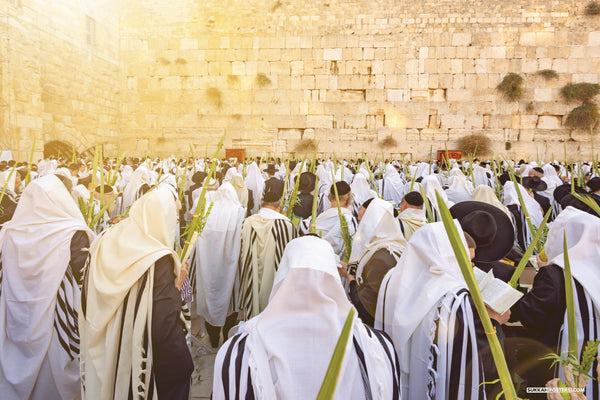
x=97, y=290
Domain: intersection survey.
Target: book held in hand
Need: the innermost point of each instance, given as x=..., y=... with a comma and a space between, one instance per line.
x=497, y=294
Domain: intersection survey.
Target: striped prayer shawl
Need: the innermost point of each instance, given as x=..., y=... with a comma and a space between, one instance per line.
x=133, y=375
x=233, y=379
x=263, y=243
x=588, y=328
x=65, y=317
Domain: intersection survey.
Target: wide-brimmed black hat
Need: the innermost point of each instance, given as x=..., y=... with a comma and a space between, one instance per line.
x=489, y=226
x=534, y=183
x=307, y=182
x=271, y=169
x=563, y=190
x=593, y=184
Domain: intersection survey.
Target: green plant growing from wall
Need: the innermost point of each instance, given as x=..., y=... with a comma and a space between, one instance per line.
x=592, y=8
x=306, y=145
x=585, y=116
x=388, y=142
x=548, y=74
x=511, y=87
x=475, y=144
x=262, y=80
x=214, y=96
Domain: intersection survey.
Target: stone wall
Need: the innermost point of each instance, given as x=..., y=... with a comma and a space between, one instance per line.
x=54, y=85
x=350, y=73
x=166, y=76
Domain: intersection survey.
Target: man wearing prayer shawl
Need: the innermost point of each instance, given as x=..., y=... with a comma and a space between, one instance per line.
x=412, y=214
x=132, y=335
x=264, y=237
x=214, y=261
x=542, y=311
x=283, y=353
x=44, y=248
x=426, y=308
x=392, y=186
x=377, y=247
x=328, y=222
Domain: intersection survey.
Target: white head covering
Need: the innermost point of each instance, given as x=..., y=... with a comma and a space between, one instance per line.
x=393, y=186
x=487, y=195
x=430, y=186
x=361, y=190
x=583, y=241
x=256, y=183
x=291, y=342
x=552, y=180
x=512, y=198
x=119, y=258
x=35, y=246
x=378, y=228
x=460, y=189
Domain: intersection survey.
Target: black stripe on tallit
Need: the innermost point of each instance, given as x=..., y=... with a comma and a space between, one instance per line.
x=121, y=333
x=468, y=357
x=226, y=365
x=246, y=275
x=392, y=359
x=249, y=388
x=384, y=302
x=457, y=346
x=140, y=292
x=363, y=369
x=238, y=365
x=63, y=344
x=192, y=272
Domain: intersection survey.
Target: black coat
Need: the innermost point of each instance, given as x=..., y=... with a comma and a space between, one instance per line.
x=172, y=362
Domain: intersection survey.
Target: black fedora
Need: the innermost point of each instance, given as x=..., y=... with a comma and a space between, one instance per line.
x=307, y=182
x=489, y=226
x=535, y=183
x=593, y=184
x=271, y=169
x=563, y=190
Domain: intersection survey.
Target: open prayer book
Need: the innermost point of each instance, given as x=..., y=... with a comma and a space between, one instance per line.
x=497, y=295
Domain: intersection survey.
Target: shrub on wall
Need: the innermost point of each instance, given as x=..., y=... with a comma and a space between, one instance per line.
x=511, y=87
x=584, y=92
x=592, y=8
x=475, y=144
x=214, y=96
x=388, y=143
x=585, y=116
x=305, y=145
x=548, y=74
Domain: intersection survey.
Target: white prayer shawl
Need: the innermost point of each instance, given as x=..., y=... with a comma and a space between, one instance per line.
x=552, y=180
x=216, y=257
x=361, y=191
x=264, y=237
x=115, y=319
x=378, y=229
x=256, y=183
x=533, y=207
x=393, y=186
x=480, y=176
x=430, y=186
x=285, y=350
x=583, y=243
x=412, y=219
x=35, y=247
x=487, y=195
x=427, y=288
x=422, y=170
x=330, y=229
x=460, y=189
x=137, y=179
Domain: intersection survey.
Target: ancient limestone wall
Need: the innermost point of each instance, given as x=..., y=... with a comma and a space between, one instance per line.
x=162, y=76
x=54, y=85
x=351, y=73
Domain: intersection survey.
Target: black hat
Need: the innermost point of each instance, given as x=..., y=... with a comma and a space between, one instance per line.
x=503, y=178
x=594, y=184
x=534, y=183
x=489, y=226
x=273, y=190
x=307, y=182
x=342, y=188
x=271, y=169
x=563, y=190
x=572, y=201
x=414, y=199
